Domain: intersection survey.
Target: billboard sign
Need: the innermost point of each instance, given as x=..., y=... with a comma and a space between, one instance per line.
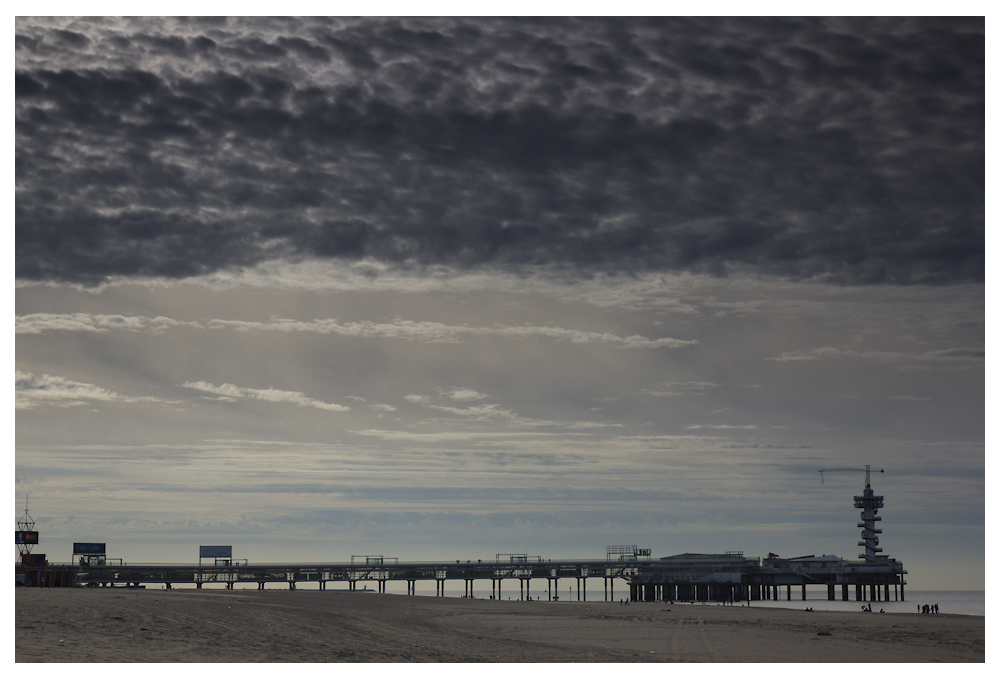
x=215, y=551
x=25, y=538
x=89, y=548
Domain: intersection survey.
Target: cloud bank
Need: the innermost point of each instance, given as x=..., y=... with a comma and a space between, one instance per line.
x=845, y=150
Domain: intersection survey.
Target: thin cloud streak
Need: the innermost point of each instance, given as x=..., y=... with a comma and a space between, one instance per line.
x=427, y=332
x=230, y=393
x=436, y=332
x=36, y=323
x=676, y=389
x=829, y=352
x=31, y=391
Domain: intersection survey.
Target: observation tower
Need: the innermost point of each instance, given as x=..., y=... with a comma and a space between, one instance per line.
x=869, y=504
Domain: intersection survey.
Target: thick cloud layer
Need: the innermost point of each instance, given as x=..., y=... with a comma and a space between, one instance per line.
x=851, y=151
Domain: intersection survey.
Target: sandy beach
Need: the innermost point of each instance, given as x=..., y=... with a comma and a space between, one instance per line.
x=118, y=625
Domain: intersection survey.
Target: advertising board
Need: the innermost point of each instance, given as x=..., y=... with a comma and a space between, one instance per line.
x=89, y=548
x=25, y=538
x=212, y=551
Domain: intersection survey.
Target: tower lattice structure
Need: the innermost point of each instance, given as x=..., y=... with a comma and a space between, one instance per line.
x=26, y=523
x=869, y=504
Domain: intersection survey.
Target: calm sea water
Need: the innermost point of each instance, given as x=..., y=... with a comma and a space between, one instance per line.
x=969, y=603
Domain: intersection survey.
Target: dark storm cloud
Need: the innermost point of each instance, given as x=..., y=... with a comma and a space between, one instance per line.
x=847, y=150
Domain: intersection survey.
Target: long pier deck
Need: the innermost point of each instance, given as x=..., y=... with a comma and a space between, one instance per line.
x=694, y=577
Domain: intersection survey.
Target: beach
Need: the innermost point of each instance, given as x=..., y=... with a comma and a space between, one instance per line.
x=111, y=625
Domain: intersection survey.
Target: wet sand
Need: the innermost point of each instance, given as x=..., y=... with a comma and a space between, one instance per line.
x=89, y=625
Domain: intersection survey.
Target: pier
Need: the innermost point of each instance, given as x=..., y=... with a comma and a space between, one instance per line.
x=727, y=577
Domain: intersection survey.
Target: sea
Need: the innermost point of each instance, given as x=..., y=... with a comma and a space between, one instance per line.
x=965, y=602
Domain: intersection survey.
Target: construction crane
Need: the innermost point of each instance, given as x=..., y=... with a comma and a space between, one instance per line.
x=866, y=470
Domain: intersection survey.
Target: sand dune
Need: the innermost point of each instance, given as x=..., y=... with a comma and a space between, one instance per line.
x=117, y=625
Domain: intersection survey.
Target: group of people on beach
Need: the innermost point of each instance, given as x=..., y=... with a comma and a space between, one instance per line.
x=927, y=609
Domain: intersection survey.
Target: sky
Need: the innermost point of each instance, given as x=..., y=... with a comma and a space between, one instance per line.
x=450, y=288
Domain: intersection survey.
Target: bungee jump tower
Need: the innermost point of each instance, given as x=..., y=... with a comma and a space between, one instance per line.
x=869, y=504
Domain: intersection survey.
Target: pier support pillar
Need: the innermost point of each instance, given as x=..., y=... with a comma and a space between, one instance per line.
x=198, y=585
x=522, y=589
x=902, y=592
x=831, y=592
x=291, y=585
x=260, y=585
x=788, y=592
x=168, y=586
x=886, y=598
x=605, y=588
x=584, y=588
x=527, y=587
x=843, y=592
x=550, y=589
x=229, y=585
